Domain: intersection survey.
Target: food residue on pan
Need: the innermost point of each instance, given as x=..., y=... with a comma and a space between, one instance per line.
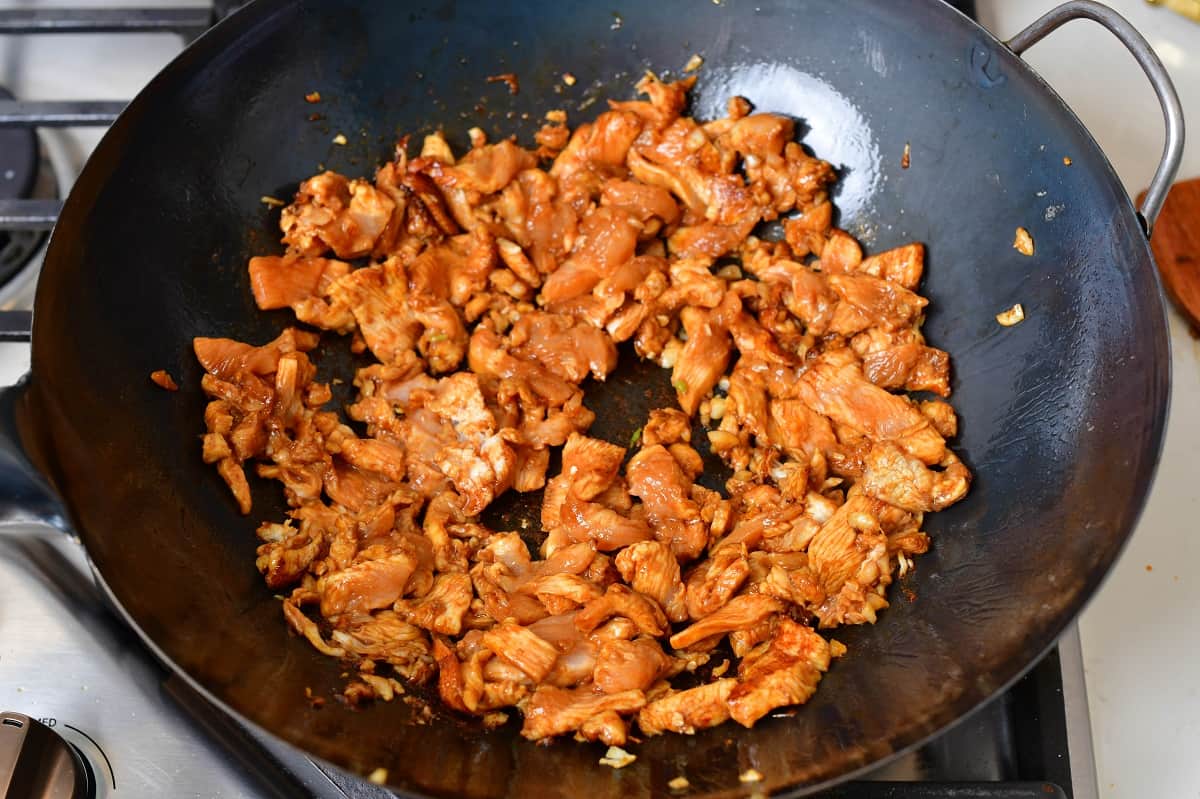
x=271, y=202
x=340, y=139
x=679, y=783
x=1013, y=316
x=568, y=79
x=1023, y=242
x=162, y=379
x=489, y=291
x=378, y=776
x=617, y=757
x=1066, y=160
x=906, y=156
x=750, y=775
x=507, y=78
x=694, y=63
x=312, y=97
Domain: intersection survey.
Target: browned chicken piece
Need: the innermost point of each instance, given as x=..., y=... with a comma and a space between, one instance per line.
x=902, y=480
x=835, y=387
x=331, y=212
x=714, y=582
x=553, y=711
x=685, y=712
x=867, y=302
x=656, y=478
x=443, y=608
x=521, y=648
x=806, y=233
x=386, y=637
x=744, y=640
x=630, y=665
x=841, y=254
x=286, y=553
x=607, y=727
x=607, y=528
x=739, y=613
x=500, y=604
x=595, y=151
x=302, y=284
x=619, y=600
x=912, y=367
x=800, y=431
x=941, y=415
x=666, y=426
x=903, y=265
x=650, y=568
x=836, y=551
x=787, y=673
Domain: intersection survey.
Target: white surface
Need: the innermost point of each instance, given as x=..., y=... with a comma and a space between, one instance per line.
x=1141, y=645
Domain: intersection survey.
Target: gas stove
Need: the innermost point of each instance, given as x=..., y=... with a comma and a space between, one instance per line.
x=132, y=729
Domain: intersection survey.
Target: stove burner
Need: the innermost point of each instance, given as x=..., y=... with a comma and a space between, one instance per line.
x=19, y=173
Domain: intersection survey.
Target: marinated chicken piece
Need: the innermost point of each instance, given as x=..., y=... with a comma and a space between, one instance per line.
x=656, y=478
x=607, y=727
x=711, y=584
x=379, y=575
x=629, y=665
x=590, y=465
x=286, y=554
x=685, y=712
x=553, y=711
x=941, y=416
x=302, y=284
x=703, y=359
x=787, y=673
x=443, y=608
x=561, y=593
x=738, y=614
x=607, y=239
x=228, y=359
x=331, y=212
x=485, y=169
x=619, y=600
x=666, y=426
x=650, y=568
x=600, y=524
x=563, y=346
x=522, y=648
x=386, y=637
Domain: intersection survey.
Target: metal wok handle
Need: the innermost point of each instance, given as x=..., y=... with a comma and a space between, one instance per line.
x=1168, y=165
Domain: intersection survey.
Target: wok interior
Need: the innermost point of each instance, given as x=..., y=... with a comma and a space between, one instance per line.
x=1061, y=416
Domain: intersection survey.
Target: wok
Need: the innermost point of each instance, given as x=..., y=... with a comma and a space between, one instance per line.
x=1062, y=416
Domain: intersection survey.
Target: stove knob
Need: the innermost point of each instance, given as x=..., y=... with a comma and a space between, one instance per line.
x=35, y=763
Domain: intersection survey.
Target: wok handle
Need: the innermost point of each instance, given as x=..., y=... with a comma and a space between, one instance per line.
x=1172, y=111
x=28, y=503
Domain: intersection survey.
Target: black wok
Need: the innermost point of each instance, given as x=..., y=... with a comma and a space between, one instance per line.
x=1062, y=416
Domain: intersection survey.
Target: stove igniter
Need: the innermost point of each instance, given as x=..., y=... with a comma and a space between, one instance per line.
x=36, y=763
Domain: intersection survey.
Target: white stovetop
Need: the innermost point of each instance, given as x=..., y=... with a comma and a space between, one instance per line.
x=1141, y=646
